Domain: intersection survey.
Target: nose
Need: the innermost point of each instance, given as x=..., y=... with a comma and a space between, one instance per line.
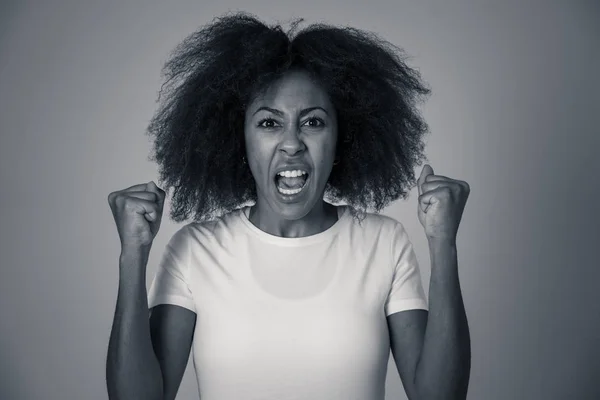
x=291, y=142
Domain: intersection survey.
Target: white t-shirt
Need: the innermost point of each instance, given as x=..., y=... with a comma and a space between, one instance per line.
x=290, y=318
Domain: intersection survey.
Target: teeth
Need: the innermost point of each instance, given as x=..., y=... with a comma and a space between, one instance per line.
x=292, y=174
x=289, y=191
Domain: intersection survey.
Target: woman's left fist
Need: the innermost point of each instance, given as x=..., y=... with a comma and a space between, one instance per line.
x=441, y=204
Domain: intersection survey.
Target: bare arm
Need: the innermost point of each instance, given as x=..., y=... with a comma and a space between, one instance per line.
x=146, y=356
x=433, y=350
x=132, y=369
x=172, y=330
x=407, y=332
x=147, y=351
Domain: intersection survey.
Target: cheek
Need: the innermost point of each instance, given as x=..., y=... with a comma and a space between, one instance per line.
x=324, y=155
x=258, y=161
x=329, y=147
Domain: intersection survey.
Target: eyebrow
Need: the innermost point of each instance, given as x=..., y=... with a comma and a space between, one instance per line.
x=280, y=113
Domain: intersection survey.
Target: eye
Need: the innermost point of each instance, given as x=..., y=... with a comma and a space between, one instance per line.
x=314, y=122
x=267, y=123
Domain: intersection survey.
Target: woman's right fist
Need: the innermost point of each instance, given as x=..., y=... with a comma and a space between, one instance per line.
x=137, y=211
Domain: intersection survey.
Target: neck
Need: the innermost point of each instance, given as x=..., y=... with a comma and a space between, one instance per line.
x=322, y=216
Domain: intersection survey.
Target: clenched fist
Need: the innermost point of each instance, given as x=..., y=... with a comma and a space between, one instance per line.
x=137, y=211
x=441, y=204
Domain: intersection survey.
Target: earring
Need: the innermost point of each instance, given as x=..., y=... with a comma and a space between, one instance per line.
x=336, y=161
x=244, y=160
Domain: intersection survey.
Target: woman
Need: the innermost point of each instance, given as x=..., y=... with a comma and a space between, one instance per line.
x=288, y=296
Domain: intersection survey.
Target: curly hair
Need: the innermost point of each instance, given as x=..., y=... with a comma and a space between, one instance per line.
x=198, y=130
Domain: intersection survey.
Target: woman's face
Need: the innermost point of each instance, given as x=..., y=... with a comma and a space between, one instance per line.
x=291, y=129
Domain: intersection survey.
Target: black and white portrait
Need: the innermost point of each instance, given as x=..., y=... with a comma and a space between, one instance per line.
x=291, y=200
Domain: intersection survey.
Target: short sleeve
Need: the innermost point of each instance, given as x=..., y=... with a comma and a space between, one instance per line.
x=406, y=291
x=170, y=284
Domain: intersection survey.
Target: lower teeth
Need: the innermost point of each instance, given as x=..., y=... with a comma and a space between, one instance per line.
x=289, y=191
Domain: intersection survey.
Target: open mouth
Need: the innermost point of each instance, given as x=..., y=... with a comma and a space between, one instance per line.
x=291, y=183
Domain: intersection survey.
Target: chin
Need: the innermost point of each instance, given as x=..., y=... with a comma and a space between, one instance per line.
x=293, y=209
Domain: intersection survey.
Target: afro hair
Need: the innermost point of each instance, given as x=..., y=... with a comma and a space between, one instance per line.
x=198, y=130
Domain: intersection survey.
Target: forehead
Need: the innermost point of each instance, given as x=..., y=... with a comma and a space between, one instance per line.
x=294, y=89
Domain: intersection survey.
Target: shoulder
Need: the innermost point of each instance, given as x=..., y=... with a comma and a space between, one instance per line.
x=205, y=237
x=204, y=232
x=378, y=231
x=371, y=223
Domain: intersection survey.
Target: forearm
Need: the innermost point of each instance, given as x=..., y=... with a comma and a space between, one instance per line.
x=444, y=365
x=132, y=369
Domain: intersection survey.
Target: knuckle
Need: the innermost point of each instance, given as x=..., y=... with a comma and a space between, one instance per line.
x=446, y=191
x=128, y=201
x=462, y=187
x=119, y=199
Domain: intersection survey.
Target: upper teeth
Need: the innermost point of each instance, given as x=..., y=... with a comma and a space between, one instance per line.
x=292, y=174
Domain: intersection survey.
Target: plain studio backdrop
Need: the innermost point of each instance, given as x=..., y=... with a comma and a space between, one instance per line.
x=514, y=112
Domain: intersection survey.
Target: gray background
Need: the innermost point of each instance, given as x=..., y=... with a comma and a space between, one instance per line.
x=514, y=112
